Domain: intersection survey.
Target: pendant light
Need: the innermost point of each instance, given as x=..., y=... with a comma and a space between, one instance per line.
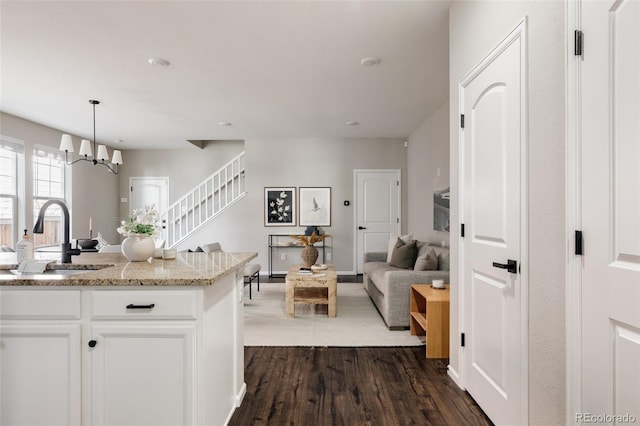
x=101, y=156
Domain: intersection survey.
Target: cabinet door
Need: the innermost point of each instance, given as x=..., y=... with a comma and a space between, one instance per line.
x=141, y=374
x=40, y=375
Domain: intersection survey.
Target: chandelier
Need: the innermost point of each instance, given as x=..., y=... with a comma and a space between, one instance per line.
x=102, y=155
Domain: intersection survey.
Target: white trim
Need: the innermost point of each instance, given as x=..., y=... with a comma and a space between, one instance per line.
x=455, y=376
x=573, y=221
x=13, y=144
x=520, y=31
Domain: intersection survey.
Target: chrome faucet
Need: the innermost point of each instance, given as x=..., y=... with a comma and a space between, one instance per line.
x=67, y=251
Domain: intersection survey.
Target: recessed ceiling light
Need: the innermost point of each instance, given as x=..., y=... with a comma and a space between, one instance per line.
x=352, y=123
x=224, y=124
x=370, y=61
x=158, y=62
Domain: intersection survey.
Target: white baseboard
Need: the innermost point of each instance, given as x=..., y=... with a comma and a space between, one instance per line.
x=240, y=395
x=454, y=376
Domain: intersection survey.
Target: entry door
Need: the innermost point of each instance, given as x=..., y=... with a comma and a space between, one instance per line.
x=377, y=210
x=493, y=141
x=149, y=190
x=610, y=190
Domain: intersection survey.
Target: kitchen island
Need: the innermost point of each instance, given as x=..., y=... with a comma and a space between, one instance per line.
x=103, y=341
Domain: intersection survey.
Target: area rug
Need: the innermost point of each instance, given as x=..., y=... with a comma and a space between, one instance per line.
x=358, y=323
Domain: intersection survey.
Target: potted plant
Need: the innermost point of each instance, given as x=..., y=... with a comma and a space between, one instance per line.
x=139, y=228
x=309, y=252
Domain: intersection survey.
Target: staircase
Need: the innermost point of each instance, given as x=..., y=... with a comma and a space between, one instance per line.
x=204, y=202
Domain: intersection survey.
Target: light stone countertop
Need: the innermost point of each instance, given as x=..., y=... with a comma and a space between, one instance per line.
x=187, y=269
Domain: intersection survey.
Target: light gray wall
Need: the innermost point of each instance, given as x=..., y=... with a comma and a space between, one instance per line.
x=302, y=162
x=475, y=28
x=428, y=151
x=93, y=188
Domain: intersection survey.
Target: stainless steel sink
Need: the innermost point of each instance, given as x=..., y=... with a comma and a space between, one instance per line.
x=53, y=272
x=48, y=274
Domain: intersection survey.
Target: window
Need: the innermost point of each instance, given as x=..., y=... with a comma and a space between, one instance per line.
x=8, y=194
x=48, y=183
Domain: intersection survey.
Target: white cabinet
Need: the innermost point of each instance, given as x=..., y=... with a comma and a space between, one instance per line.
x=40, y=358
x=121, y=355
x=141, y=374
x=40, y=365
x=140, y=354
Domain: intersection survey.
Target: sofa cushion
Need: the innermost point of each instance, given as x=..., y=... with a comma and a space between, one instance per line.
x=427, y=262
x=403, y=254
x=443, y=261
x=393, y=239
x=376, y=273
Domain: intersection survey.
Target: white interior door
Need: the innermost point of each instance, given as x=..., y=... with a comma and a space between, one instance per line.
x=377, y=210
x=145, y=191
x=493, y=144
x=610, y=210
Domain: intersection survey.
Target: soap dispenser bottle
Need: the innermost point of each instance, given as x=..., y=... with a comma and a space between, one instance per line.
x=24, y=248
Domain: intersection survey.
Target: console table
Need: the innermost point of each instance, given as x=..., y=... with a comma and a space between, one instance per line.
x=430, y=314
x=282, y=243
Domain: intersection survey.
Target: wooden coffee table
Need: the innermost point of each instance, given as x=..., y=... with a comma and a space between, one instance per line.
x=319, y=288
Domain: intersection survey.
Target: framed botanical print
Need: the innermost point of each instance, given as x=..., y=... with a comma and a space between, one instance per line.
x=279, y=206
x=315, y=206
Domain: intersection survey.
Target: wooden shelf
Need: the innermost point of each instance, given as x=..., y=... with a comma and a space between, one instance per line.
x=421, y=319
x=431, y=306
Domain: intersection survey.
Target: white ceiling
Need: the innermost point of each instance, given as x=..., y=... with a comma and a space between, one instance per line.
x=274, y=69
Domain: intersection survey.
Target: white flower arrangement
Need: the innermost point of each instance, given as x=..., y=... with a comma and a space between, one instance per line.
x=142, y=221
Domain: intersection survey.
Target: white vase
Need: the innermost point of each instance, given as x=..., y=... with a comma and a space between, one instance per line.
x=138, y=247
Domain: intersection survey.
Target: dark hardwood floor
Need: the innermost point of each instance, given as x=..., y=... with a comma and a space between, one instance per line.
x=351, y=386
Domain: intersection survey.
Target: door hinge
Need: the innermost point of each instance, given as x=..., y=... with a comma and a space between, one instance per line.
x=578, y=43
x=397, y=220
x=462, y=121
x=397, y=183
x=462, y=340
x=132, y=189
x=462, y=229
x=579, y=249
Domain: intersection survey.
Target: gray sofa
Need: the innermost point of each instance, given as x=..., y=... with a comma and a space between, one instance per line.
x=388, y=286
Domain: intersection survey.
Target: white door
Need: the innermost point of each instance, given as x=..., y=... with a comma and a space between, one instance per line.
x=377, y=210
x=145, y=191
x=610, y=191
x=493, y=142
x=130, y=363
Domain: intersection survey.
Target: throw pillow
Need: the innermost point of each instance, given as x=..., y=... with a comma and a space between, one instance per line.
x=443, y=261
x=404, y=255
x=427, y=262
x=199, y=250
x=393, y=238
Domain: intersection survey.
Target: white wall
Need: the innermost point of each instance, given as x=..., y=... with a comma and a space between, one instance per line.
x=428, y=151
x=94, y=188
x=302, y=162
x=475, y=28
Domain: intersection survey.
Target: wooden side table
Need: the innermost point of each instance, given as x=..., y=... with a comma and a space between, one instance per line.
x=430, y=316
x=319, y=288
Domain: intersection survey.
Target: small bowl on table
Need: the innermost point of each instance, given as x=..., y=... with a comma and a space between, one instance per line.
x=88, y=244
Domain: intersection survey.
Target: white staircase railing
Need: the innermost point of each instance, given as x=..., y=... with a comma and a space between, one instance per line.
x=204, y=202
